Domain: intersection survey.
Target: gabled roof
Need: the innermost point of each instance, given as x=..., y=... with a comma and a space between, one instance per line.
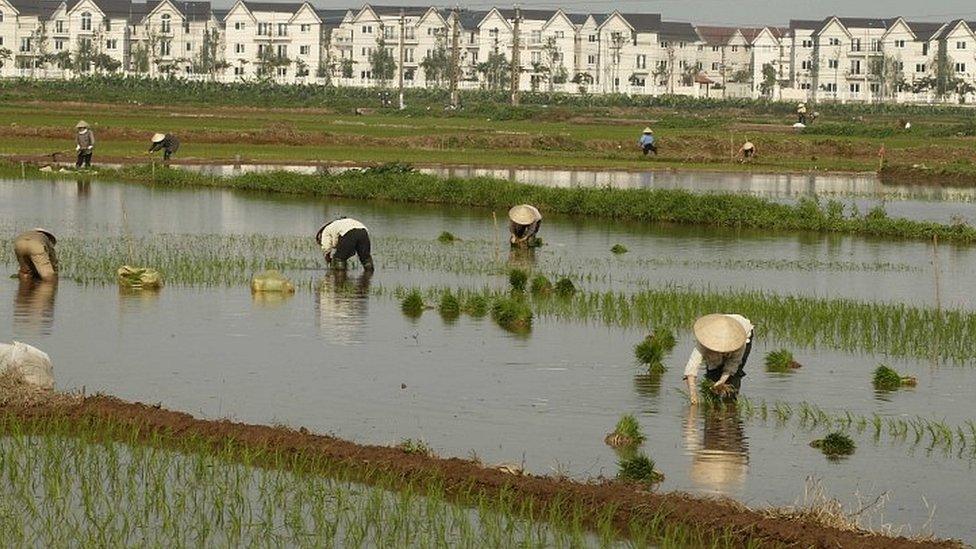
x=578, y=18
x=924, y=31
x=643, y=22
x=409, y=11
x=863, y=22
x=750, y=33
x=44, y=9
x=681, y=32
x=805, y=24
x=280, y=7
x=111, y=8
x=331, y=18
x=534, y=15
x=716, y=36
x=220, y=14
x=469, y=19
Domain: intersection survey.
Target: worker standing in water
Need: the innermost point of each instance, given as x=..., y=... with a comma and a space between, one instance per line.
x=722, y=344
x=646, y=142
x=84, y=144
x=35, y=255
x=524, y=222
x=342, y=238
x=167, y=142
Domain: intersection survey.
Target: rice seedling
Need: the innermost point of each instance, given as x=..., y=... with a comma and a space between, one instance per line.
x=412, y=446
x=781, y=361
x=517, y=279
x=835, y=444
x=639, y=468
x=449, y=306
x=886, y=379
x=447, y=238
x=413, y=304
x=711, y=396
x=476, y=305
x=627, y=432
x=540, y=285
x=512, y=314
x=654, y=348
x=565, y=288
x=618, y=249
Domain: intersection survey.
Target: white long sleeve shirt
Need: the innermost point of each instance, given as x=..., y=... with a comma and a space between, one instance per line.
x=728, y=362
x=339, y=227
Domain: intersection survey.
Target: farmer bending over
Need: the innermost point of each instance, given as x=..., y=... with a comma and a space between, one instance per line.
x=35, y=255
x=167, y=142
x=341, y=239
x=723, y=343
x=747, y=151
x=524, y=222
x=646, y=142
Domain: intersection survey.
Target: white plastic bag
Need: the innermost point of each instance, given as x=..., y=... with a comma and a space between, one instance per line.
x=30, y=363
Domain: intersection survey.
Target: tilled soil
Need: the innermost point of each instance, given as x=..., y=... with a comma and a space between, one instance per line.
x=721, y=517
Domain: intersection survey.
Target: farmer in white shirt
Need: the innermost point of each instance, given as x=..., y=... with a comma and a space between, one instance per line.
x=723, y=342
x=341, y=239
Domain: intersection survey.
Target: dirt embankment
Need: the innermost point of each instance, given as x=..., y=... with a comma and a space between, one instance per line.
x=629, y=501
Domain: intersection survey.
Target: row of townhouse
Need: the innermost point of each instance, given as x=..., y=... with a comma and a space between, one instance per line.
x=837, y=58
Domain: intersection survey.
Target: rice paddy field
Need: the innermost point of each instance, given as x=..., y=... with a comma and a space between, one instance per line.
x=457, y=374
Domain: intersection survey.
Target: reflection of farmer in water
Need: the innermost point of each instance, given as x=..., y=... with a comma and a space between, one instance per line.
x=720, y=452
x=34, y=306
x=341, y=304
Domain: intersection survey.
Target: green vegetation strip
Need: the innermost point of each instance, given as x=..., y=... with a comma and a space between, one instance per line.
x=654, y=205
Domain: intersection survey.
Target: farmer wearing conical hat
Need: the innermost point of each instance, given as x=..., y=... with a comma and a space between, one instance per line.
x=801, y=113
x=84, y=144
x=722, y=344
x=343, y=238
x=646, y=142
x=167, y=142
x=524, y=222
x=35, y=255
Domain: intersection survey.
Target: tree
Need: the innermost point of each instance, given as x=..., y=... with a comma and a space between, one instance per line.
x=269, y=60
x=945, y=74
x=495, y=72
x=208, y=61
x=554, y=67
x=346, y=67
x=769, y=80
x=741, y=76
x=85, y=55
x=5, y=55
x=437, y=65
x=139, y=58
x=689, y=74
x=106, y=63
x=382, y=65
x=887, y=71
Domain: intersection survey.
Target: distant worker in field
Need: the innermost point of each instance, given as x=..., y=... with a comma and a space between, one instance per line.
x=748, y=151
x=524, y=222
x=343, y=238
x=801, y=113
x=646, y=142
x=722, y=344
x=84, y=144
x=167, y=142
x=35, y=255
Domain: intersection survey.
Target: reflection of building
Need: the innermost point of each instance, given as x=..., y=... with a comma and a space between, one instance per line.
x=720, y=452
x=34, y=307
x=341, y=304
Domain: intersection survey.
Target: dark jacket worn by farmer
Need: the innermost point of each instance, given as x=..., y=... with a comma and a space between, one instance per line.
x=84, y=144
x=168, y=143
x=35, y=254
x=343, y=238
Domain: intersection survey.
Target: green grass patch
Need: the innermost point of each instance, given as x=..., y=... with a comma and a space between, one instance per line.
x=412, y=304
x=512, y=314
x=618, y=249
x=887, y=379
x=835, y=444
x=517, y=279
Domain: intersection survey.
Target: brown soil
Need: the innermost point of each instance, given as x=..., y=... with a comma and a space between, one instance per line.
x=721, y=517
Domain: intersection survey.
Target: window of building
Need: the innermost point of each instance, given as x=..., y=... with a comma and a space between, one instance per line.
x=1, y=16
x=960, y=67
x=111, y=44
x=715, y=48
x=899, y=43
x=714, y=66
x=388, y=33
x=875, y=87
x=856, y=44
x=264, y=29
x=305, y=27
x=831, y=87
x=806, y=65
x=961, y=45
x=282, y=29
x=641, y=61
x=58, y=44
x=86, y=21
x=238, y=71
x=592, y=38
x=805, y=86
x=165, y=48
x=925, y=48
x=535, y=37
x=920, y=67
x=536, y=57
x=832, y=64
x=474, y=57
x=559, y=34
x=282, y=51
x=493, y=33
x=855, y=87
x=166, y=24
x=25, y=45
x=408, y=55
x=899, y=66
x=304, y=50
x=833, y=41
x=665, y=44
x=875, y=44
x=238, y=48
x=735, y=49
x=364, y=52
x=807, y=43
x=409, y=33
x=281, y=71
x=189, y=46
x=108, y=25
x=471, y=37
x=59, y=27
x=238, y=25
x=856, y=66
x=591, y=59
x=639, y=81
x=367, y=29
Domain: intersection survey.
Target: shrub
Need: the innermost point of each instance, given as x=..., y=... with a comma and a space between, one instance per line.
x=517, y=279
x=512, y=314
x=835, y=444
x=639, y=468
x=626, y=433
x=565, y=287
x=540, y=285
x=619, y=249
x=413, y=304
x=781, y=361
x=449, y=307
x=418, y=447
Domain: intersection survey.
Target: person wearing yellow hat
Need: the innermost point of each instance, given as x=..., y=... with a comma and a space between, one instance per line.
x=722, y=345
x=84, y=144
x=166, y=142
x=524, y=222
x=646, y=142
x=35, y=255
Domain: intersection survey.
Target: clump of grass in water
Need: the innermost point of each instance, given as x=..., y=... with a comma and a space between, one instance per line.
x=449, y=306
x=709, y=397
x=476, y=305
x=418, y=447
x=517, y=278
x=639, y=468
x=835, y=444
x=781, y=361
x=565, y=287
x=413, y=304
x=540, y=285
x=512, y=314
x=886, y=379
x=626, y=433
x=652, y=351
x=447, y=238
x=619, y=249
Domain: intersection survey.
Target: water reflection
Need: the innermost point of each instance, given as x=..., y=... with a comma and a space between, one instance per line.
x=341, y=304
x=137, y=300
x=648, y=385
x=719, y=449
x=34, y=306
x=521, y=258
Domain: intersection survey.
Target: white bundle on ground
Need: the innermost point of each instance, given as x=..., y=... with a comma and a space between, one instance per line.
x=30, y=363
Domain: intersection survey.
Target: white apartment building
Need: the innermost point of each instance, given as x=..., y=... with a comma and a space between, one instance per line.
x=833, y=59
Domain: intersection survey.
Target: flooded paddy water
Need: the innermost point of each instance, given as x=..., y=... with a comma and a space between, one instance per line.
x=350, y=363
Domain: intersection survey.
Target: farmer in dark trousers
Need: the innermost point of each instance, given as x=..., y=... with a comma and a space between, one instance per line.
x=167, y=142
x=343, y=238
x=723, y=343
x=35, y=255
x=84, y=144
x=646, y=142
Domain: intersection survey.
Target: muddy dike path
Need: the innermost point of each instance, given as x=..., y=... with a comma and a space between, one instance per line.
x=280, y=447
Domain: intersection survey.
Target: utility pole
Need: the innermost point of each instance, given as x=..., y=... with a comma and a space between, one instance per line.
x=455, y=58
x=400, y=64
x=516, y=63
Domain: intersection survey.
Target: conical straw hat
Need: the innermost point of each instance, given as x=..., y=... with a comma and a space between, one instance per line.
x=81, y=124
x=719, y=333
x=648, y=130
x=523, y=214
x=157, y=137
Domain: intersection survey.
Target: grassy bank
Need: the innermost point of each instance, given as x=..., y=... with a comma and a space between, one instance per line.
x=657, y=205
